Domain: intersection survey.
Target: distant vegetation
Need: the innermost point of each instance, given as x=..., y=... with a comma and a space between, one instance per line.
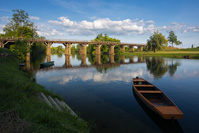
x=58, y=49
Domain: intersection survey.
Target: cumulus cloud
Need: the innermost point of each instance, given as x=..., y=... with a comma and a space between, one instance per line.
x=49, y=32
x=34, y=18
x=192, y=29
x=119, y=27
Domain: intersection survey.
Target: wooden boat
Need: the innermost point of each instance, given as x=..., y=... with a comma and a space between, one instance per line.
x=46, y=64
x=155, y=99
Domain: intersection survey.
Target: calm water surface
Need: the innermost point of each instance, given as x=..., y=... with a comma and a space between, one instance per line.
x=103, y=94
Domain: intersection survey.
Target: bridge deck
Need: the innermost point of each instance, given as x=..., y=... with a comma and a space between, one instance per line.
x=71, y=41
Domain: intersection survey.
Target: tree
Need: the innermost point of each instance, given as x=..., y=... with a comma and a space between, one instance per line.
x=20, y=48
x=156, y=41
x=104, y=48
x=73, y=48
x=173, y=39
x=20, y=25
x=192, y=46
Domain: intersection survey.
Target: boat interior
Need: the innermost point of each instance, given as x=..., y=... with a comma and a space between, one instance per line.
x=158, y=99
x=152, y=93
x=141, y=83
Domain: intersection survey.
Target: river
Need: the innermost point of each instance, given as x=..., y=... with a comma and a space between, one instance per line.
x=102, y=94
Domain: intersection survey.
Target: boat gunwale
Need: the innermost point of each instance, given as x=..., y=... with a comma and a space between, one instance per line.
x=149, y=103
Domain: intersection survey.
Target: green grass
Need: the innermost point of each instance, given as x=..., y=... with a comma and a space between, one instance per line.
x=175, y=53
x=17, y=92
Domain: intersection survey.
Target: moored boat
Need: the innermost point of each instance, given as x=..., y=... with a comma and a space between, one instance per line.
x=155, y=99
x=46, y=64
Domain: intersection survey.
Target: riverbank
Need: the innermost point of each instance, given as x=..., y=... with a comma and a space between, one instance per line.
x=20, y=106
x=178, y=53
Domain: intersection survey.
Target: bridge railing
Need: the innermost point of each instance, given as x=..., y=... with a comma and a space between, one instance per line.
x=67, y=41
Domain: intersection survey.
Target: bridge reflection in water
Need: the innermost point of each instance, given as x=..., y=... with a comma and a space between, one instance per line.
x=97, y=62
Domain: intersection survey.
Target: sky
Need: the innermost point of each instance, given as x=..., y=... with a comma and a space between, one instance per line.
x=132, y=21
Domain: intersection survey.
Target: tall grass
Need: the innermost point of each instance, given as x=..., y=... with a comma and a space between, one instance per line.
x=17, y=92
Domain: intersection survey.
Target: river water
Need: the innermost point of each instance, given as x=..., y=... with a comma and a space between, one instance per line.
x=102, y=94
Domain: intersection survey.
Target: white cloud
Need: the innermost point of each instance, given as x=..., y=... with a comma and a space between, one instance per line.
x=49, y=32
x=106, y=25
x=192, y=29
x=34, y=18
x=1, y=28
x=4, y=18
x=118, y=27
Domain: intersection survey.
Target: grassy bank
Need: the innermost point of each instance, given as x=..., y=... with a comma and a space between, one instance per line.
x=17, y=94
x=176, y=53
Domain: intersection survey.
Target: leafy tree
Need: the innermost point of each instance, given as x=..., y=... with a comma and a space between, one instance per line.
x=73, y=49
x=78, y=48
x=20, y=25
x=104, y=48
x=173, y=38
x=57, y=50
x=156, y=41
x=20, y=48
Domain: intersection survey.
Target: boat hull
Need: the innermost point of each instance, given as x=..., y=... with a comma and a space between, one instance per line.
x=46, y=64
x=156, y=100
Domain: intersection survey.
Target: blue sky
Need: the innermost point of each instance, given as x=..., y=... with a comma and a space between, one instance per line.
x=128, y=20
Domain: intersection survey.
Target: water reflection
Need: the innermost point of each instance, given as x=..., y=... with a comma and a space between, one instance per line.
x=169, y=126
x=101, y=63
x=158, y=66
x=173, y=67
x=102, y=93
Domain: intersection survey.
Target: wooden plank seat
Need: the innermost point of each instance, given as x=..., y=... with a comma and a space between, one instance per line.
x=150, y=91
x=144, y=85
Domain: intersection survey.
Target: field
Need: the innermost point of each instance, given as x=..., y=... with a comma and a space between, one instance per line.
x=174, y=53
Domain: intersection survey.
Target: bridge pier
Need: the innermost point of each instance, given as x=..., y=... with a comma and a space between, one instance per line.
x=122, y=59
x=111, y=59
x=98, y=51
x=140, y=48
x=48, y=45
x=67, y=61
x=140, y=59
x=28, y=57
x=83, y=60
x=131, y=48
x=122, y=48
x=2, y=44
x=98, y=59
x=83, y=49
x=67, y=48
x=111, y=50
x=131, y=59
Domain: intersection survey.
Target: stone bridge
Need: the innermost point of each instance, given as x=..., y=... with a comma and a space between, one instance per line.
x=68, y=43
